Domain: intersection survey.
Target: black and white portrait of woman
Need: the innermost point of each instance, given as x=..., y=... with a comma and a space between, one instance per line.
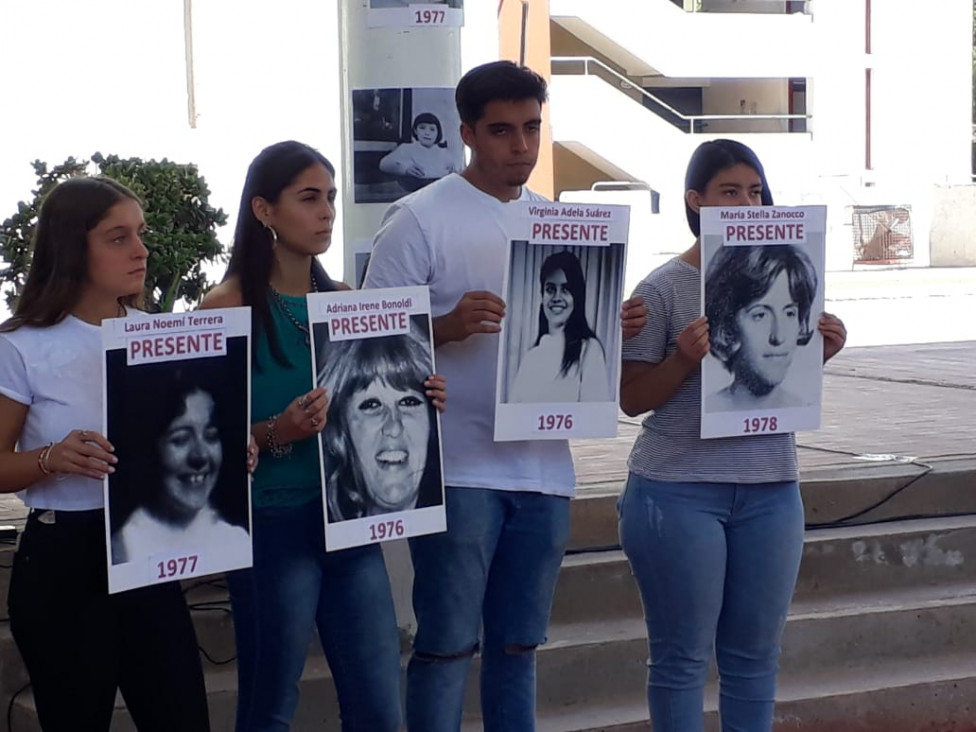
x=562, y=309
x=381, y=446
x=180, y=430
x=759, y=302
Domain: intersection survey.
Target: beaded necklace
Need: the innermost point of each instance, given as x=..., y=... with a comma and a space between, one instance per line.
x=283, y=306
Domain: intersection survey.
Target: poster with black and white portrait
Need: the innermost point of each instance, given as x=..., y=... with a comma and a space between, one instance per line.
x=403, y=140
x=763, y=294
x=361, y=250
x=176, y=395
x=381, y=445
x=559, y=362
x=415, y=13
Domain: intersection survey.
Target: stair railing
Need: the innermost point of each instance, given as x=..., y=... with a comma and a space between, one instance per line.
x=588, y=63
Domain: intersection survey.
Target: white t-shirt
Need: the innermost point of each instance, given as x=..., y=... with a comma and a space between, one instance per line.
x=57, y=373
x=454, y=238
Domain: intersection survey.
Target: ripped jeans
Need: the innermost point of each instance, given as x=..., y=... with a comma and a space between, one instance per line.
x=716, y=564
x=497, y=565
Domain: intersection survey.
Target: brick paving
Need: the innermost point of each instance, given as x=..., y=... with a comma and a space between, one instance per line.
x=917, y=401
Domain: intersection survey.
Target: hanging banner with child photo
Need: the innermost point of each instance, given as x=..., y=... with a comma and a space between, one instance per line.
x=381, y=445
x=403, y=139
x=176, y=390
x=558, y=373
x=763, y=294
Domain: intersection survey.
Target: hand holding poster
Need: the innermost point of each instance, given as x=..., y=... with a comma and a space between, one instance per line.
x=381, y=457
x=559, y=365
x=762, y=292
x=176, y=396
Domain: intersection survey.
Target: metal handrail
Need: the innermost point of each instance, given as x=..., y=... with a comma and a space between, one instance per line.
x=697, y=8
x=689, y=118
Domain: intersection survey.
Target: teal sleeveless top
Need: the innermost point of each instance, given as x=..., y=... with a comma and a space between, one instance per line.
x=295, y=479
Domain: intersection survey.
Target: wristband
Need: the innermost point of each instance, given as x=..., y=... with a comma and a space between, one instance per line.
x=42, y=457
x=276, y=449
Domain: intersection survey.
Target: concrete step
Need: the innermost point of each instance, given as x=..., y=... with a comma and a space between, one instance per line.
x=586, y=663
x=933, y=695
x=831, y=652
x=919, y=553
x=317, y=708
x=597, y=619
x=828, y=495
x=836, y=563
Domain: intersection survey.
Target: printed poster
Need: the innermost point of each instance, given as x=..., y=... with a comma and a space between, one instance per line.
x=411, y=14
x=558, y=373
x=403, y=139
x=381, y=446
x=763, y=293
x=176, y=395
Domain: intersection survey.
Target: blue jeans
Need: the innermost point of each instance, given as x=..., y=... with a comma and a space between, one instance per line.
x=497, y=564
x=716, y=564
x=294, y=587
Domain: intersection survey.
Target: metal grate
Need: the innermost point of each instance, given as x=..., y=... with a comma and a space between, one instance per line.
x=882, y=234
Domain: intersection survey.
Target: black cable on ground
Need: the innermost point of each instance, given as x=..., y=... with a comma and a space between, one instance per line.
x=846, y=520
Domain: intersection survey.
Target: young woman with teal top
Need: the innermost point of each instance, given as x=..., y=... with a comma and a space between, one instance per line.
x=285, y=220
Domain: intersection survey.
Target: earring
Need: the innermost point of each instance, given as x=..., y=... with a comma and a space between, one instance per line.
x=274, y=234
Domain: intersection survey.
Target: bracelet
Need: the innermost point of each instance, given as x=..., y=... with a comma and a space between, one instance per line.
x=276, y=449
x=42, y=457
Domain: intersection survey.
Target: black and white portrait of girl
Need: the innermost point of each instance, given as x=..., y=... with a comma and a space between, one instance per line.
x=423, y=159
x=182, y=427
x=381, y=446
x=403, y=140
x=759, y=301
x=562, y=327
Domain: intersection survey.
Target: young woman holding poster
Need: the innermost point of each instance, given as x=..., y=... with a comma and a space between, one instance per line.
x=285, y=221
x=79, y=643
x=713, y=528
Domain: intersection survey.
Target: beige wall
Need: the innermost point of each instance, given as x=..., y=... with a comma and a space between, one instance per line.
x=573, y=173
x=537, y=55
x=564, y=43
x=762, y=96
x=951, y=240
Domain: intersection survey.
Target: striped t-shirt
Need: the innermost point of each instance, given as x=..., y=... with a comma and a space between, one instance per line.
x=669, y=447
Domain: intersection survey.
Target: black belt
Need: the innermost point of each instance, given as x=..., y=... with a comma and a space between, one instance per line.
x=63, y=516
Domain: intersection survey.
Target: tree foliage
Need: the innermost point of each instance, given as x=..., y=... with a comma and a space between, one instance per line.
x=181, y=234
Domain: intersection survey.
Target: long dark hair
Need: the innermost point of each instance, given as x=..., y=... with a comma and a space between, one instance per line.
x=252, y=257
x=59, y=267
x=708, y=160
x=577, y=329
x=162, y=390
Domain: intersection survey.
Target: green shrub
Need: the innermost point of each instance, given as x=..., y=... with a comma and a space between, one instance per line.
x=181, y=234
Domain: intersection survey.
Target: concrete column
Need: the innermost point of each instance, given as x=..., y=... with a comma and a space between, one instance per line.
x=382, y=58
x=537, y=57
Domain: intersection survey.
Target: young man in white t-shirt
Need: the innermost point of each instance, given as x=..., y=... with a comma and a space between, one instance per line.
x=507, y=502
